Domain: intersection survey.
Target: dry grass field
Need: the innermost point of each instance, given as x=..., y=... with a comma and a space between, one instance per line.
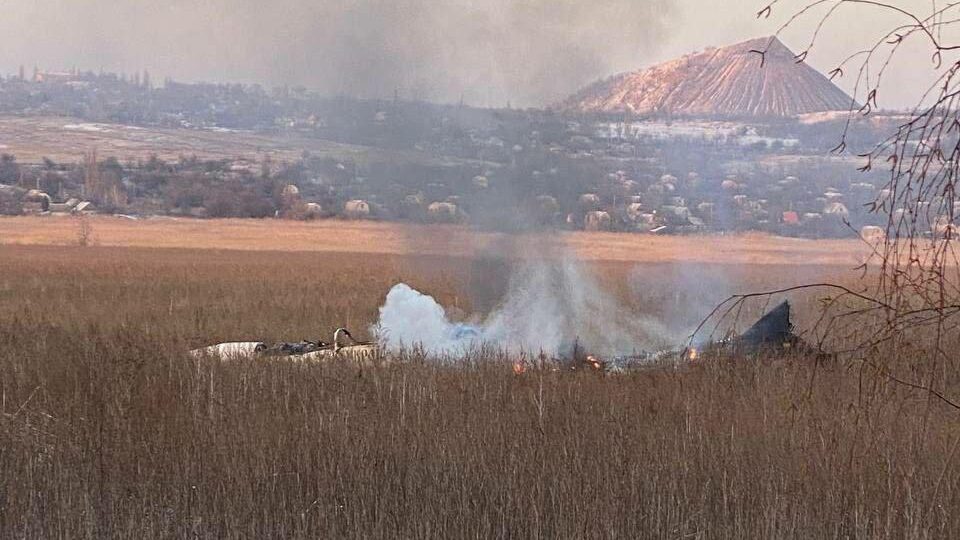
x=109, y=430
x=340, y=236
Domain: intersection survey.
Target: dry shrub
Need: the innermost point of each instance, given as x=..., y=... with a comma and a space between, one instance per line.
x=84, y=231
x=109, y=430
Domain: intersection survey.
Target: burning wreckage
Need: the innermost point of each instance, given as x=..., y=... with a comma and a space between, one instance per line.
x=771, y=335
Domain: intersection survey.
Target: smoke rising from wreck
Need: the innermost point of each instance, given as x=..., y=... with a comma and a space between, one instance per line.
x=548, y=308
x=552, y=300
x=529, y=51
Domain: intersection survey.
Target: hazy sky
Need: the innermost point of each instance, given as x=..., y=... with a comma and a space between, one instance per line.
x=529, y=52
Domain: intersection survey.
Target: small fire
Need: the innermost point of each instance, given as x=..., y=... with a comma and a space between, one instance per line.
x=693, y=354
x=520, y=367
x=595, y=363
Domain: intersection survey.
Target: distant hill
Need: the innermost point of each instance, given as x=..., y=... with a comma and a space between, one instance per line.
x=727, y=81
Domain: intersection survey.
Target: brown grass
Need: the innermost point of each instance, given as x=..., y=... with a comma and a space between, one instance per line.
x=341, y=236
x=107, y=430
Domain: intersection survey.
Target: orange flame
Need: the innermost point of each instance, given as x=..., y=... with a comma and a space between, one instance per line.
x=519, y=368
x=594, y=363
x=693, y=354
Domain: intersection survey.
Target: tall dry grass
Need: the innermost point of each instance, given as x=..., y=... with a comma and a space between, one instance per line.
x=108, y=430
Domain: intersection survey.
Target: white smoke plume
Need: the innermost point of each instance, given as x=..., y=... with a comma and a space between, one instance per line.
x=549, y=306
x=410, y=318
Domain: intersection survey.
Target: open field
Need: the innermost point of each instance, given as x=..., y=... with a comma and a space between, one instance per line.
x=107, y=429
x=67, y=140
x=398, y=239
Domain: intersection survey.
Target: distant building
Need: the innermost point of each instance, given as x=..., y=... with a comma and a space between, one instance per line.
x=836, y=209
x=64, y=207
x=597, y=221
x=442, y=211
x=872, y=234
x=36, y=202
x=357, y=209
x=85, y=207
x=312, y=210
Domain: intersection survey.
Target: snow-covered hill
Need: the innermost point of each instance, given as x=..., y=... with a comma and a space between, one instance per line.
x=728, y=81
